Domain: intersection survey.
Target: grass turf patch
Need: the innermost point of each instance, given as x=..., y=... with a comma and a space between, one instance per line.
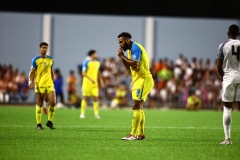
x=170, y=134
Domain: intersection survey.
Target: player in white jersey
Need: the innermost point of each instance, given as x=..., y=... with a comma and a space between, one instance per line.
x=228, y=68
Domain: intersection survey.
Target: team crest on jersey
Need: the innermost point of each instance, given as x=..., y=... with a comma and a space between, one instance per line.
x=134, y=57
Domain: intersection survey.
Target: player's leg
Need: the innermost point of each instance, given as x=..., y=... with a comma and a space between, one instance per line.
x=45, y=104
x=95, y=96
x=141, y=135
x=147, y=87
x=61, y=98
x=137, y=116
x=83, y=107
x=51, y=108
x=39, y=104
x=136, y=106
x=227, y=98
x=96, y=107
x=227, y=108
x=85, y=95
x=137, y=89
x=140, y=129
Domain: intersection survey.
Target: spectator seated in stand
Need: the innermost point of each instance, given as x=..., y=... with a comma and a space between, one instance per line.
x=74, y=101
x=193, y=101
x=120, y=97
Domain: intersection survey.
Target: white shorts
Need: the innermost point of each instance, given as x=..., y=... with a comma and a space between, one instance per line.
x=230, y=92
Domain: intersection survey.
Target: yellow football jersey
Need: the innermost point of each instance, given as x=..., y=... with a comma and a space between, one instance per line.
x=138, y=53
x=43, y=71
x=91, y=68
x=120, y=93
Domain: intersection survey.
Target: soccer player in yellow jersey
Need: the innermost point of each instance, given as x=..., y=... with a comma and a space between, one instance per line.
x=90, y=83
x=137, y=62
x=41, y=76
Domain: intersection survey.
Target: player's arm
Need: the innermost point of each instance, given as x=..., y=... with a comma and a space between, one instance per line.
x=32, y=73
x=126, y=65
x=52, y=75
x=85, y=75
x=128, y=62
x=31, y=78
x=84, y=71
x=219, y=68
x=220, y=58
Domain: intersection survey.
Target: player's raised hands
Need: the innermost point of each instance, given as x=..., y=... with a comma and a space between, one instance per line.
x=120, y=52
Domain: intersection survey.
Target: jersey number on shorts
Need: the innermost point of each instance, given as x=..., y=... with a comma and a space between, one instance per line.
x=236, y=53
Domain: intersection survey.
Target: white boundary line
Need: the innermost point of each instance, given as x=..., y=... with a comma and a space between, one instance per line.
x=108, y=127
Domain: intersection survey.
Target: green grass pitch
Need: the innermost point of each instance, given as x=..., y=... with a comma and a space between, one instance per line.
x=170, y=135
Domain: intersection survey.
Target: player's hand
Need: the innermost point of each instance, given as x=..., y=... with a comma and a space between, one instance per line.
x=120, y=52
x=30, y=84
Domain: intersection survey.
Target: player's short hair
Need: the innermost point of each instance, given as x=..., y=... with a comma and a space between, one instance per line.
x=125, y=34
x=43, y=44
x=71, y=71
x=91, y=52
x=233, y=30
x=57, y=71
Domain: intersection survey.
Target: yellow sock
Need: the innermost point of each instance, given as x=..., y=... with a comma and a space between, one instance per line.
x=38, y=114
x=136, y=121
x=51, y=111
x=96, y=107
x=83, y=106
x=142, y=124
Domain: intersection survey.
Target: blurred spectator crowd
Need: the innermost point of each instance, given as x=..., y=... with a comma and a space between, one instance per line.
x=179, y=79
x=175, y=81
x=13, y=85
